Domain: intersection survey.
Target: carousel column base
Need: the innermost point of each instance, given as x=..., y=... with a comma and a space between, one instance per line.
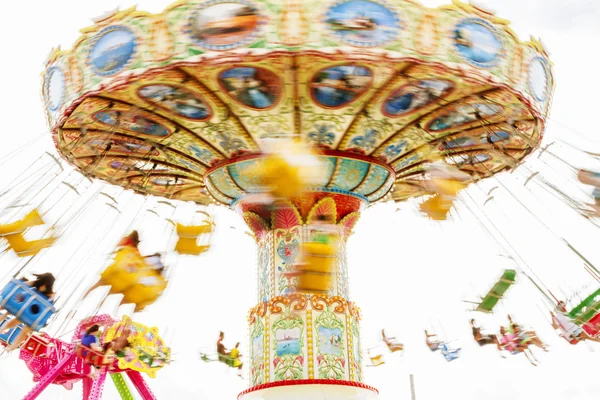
x=314, y=389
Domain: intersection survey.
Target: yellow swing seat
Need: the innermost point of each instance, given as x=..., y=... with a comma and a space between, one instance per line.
x=312, y=281
x=32, y=219
x=449, y=187
x=280, y=179
x=25, y=248
x=123, y=272
x=437, y=207
x=189, y=246
x=192, y=232
x=148, y=288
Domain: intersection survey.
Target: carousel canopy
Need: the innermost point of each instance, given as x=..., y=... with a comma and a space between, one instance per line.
x=176, y=104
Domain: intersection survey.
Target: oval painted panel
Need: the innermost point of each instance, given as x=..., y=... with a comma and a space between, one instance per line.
x=465, y=159
x=362, y=23
x=538, y=79
x=256, y=88
x=176, y=100
x=135, y=123
x=477, y=42
x=412, y=97
x=55, y=88
x=112, y=51
x=462, y=115
x=167, y=181
x=469, y=141
x=339, y=86
x=224, y=25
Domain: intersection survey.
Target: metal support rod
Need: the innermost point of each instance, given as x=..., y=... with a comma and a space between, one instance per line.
x=412, y=388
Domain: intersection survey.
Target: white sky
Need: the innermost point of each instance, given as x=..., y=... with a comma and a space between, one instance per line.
x=424, y=268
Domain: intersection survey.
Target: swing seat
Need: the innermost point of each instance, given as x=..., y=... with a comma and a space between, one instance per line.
x=190, y=247
x=192, y=232
x=377, y=360
x=319, y=249
x=8, y=338
x=317, y=257
x=277, y=176
x=93, y=357
x=448, y=187
x=27, y=305
x=591, y=327
x=123, y=272
x=148, y=288
x=311, y=282
x=587, y=309
x=497, y=292
x=24, y=248
x=37, y=345
x=32, y=219
x=394, y=347
x=437, y=207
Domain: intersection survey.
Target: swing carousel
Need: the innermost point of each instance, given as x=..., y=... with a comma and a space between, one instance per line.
x=180, y=104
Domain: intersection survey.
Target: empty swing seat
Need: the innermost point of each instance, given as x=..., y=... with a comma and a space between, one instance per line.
x=37, y=345
x=26, y=304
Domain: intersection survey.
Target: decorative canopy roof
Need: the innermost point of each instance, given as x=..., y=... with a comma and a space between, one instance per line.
x=173, y=104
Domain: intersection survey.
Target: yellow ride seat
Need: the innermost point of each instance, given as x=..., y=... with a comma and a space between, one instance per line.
x=190, y=247
x=123, y=272
x=148, y=287
x=437, y=207
x=25, y=248
x=275, y=175
x=449, y=187
x=184, y=231
x=32, y=219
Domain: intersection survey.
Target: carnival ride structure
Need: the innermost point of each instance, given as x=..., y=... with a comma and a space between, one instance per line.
x=382, y=88
x=54, y=361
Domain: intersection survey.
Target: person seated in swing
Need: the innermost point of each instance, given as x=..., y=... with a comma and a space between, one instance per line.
x=592, y=179
x=131, y=240
x=571, y=332
x=431, y=341
x=44, y=285
x=507, y=341
x=235, y=358
x=481, y=339
x=391, y=342
x=529, y=337
x=222, y=353
x=91, y=340
x=154, y=261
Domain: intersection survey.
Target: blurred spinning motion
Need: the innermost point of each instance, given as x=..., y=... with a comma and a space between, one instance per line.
x=140, y=279
x=445, y=181
x=318, y=258
x=288, y=169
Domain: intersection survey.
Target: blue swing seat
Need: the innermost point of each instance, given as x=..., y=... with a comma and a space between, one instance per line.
x=26, y=304
x=9, y=337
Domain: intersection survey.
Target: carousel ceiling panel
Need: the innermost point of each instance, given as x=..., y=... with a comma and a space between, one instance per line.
x=411, y=95
x=117, y=168
x=259, y=92
x=96, y=143
x=390, y=80
x=113, y=117
x=335, y=89
x=405, y=190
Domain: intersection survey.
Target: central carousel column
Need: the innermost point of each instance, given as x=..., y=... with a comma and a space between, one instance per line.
x=303, y=345
x=311, y=341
